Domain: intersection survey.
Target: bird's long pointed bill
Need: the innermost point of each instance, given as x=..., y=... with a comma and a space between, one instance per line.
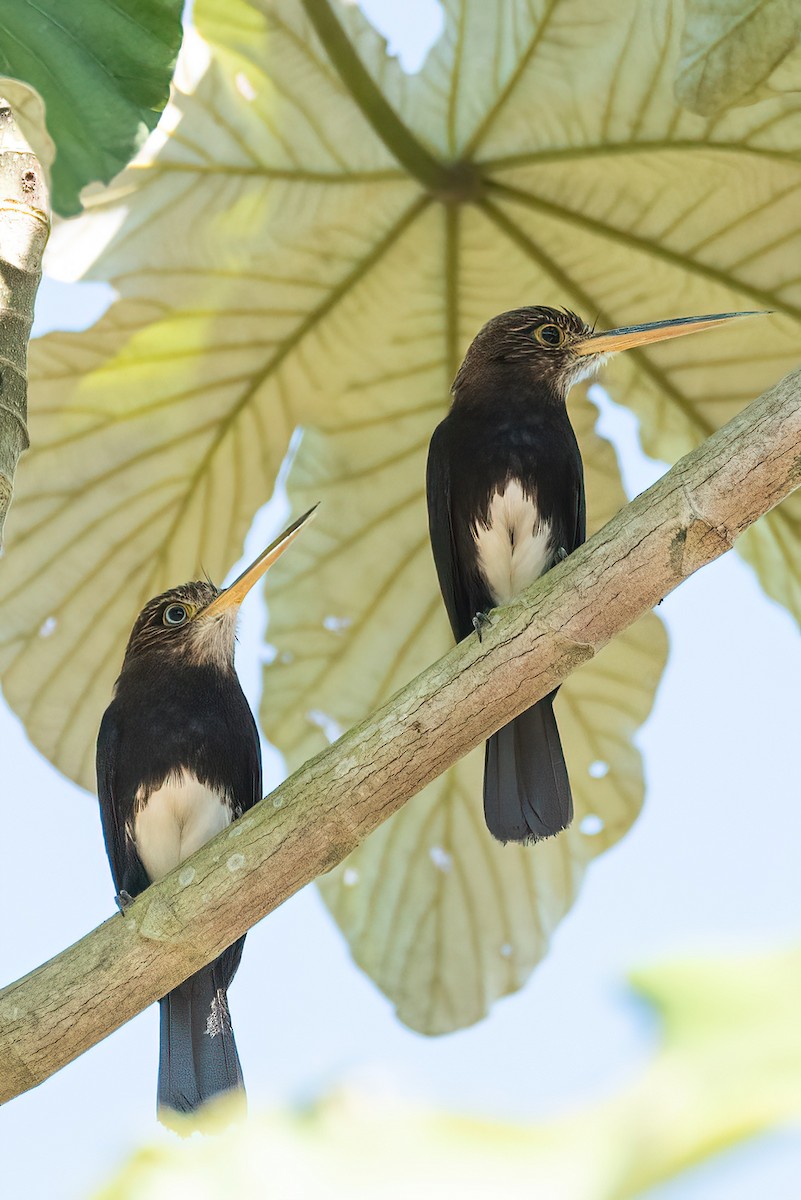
x=233, y=596
x=629, y=336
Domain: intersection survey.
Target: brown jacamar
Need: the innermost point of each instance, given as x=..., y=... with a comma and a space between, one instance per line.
x=178, y=759
x=505, y=489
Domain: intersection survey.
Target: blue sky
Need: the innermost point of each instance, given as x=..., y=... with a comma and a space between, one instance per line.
x=710, y=866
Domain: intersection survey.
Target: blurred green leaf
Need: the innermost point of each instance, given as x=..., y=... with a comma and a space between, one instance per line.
x=729, y=48
x=312, y=239
x=729, y=1068
x=102, y=68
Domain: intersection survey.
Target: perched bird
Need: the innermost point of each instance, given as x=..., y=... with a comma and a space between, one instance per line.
x=505, y=489
x=178, y=759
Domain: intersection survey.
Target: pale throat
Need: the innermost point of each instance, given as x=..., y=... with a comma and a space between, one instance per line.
x=211, y=642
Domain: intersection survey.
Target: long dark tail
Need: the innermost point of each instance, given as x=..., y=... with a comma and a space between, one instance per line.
x=198, y=1059
x=526, y=789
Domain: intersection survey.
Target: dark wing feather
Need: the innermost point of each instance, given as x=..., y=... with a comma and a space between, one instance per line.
x=247, y=785
x=443, y=539
x=581, y=511
x=254, y=763
x=126, y=867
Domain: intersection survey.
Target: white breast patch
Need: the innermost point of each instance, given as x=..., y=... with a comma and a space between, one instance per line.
x=175, y=821
x=514, y=547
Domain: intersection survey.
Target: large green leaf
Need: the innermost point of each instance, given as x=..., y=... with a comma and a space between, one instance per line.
x=728, y=1067
x=297, y=247
x=102, y=68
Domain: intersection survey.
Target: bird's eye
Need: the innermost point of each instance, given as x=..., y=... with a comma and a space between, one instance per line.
x=175, y=614
x=549, y=335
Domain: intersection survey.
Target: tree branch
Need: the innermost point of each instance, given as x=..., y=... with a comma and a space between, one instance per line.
x=24, y=226
x=691, y=516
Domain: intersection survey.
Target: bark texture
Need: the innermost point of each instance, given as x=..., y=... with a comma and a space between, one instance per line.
x=24, y=226
x=689, y=517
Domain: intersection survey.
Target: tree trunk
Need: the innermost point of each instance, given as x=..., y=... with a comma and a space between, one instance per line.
x=24, y=226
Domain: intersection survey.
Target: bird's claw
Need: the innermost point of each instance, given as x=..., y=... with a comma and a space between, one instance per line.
x=479, y=621
x=123, y=900
x=561, y=554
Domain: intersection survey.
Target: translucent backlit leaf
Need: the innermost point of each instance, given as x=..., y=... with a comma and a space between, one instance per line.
x=311, y=238
x=443, y=918
x=730, y=48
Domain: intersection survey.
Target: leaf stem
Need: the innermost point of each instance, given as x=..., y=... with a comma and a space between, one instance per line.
x=396, y=136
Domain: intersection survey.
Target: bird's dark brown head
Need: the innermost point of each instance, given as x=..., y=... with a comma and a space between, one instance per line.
x=195, y=623
x=535, y=343
x=550, y=349
x=174, y=625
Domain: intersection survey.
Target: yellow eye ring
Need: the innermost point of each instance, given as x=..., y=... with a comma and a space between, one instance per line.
x=550, y=336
